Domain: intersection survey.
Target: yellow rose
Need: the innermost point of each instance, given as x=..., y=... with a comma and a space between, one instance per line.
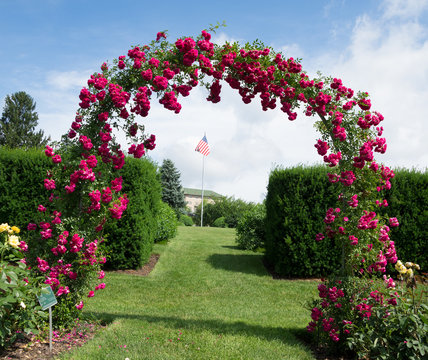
x=14, y=241
x=400, y=267
x=4, y=227
x=15, y=229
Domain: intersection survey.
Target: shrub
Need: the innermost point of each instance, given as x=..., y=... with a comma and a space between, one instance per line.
x=186, y=220
x=129, y=241
x=250, y=231
x=19, y=309
x=408, y=201
x=21, y=184
x=371, y=318
x=166, y=223
x=296, y=203
x=220, y=222
x=228, y=207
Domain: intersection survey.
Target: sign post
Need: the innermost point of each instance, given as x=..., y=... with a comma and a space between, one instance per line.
x=47, y=299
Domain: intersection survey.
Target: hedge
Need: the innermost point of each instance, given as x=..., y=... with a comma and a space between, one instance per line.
x=166, y=225
x=128, y=241
x=250, y=231
x=296, y=204
x=21, y=184
x=408, y=201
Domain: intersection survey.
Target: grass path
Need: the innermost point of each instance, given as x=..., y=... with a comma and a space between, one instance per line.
x=205, y=299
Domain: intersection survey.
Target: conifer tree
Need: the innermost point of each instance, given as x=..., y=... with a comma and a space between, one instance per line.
x=172, y=192
x=18, y=122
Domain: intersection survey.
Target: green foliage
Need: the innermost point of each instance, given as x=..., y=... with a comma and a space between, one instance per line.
x=130, y=239
x=228, y=207
x=186, y=220
x=250, y=231
x=166, y=223
x=374, y=319
x=172, y=192
x=403, y=335
x=408, y=201
x=21, y=184
x=296, y=204
x=18, y=123
x=19, y=309
x=220, y=222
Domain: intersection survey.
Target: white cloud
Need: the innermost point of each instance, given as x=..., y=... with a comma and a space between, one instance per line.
x=67, y=80
x=221, y=38
x=57, y=97
x=291, y=50
x=387, y=58
x=404, y=8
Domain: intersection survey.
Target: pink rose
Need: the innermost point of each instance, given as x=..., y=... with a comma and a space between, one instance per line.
x=79, y=306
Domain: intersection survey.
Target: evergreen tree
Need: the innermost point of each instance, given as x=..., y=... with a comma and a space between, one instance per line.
x=172, y=192
x=18, y=122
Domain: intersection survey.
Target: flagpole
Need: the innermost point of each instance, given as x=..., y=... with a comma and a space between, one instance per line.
x=202, y=194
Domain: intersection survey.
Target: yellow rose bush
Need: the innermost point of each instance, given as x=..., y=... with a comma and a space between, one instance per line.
x=19, y=309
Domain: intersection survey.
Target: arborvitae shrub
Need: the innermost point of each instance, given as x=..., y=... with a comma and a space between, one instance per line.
x=250, y=231
x=130, y=240
x=166, y=223
x=408, y=202
x=186, y=220
x=220, y=222
x=296, y=203
x=21, y=184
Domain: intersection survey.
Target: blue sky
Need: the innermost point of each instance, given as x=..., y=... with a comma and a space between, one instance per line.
x=50, y=47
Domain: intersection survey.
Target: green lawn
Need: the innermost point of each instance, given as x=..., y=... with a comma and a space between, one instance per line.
x=205, y=299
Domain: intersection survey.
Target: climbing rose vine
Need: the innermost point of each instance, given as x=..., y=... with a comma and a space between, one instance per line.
x=84, y=192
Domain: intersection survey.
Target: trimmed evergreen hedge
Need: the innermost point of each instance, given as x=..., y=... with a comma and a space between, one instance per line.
x=166, y=225
x=408, y=202
x=129, y=241
x=250, y=231
x=297, y=201
x=21, y=184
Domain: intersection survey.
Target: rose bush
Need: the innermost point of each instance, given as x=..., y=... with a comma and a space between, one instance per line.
x=84, y=192
x=19, y=309
x=374, y=319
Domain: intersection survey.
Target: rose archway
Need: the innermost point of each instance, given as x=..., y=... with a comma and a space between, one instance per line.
x=85, y=193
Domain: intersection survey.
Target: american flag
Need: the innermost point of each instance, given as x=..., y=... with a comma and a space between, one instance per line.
x=203, y=147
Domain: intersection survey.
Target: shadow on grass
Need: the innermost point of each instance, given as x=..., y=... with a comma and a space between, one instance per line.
x=234, y=247
x=244, y=263
x=291, y=336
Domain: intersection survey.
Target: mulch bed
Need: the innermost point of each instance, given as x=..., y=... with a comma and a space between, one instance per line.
x=37, y=348
x=32, y=348
x=144, y=270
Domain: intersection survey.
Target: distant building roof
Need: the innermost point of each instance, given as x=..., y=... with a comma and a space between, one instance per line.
x=198, y=192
